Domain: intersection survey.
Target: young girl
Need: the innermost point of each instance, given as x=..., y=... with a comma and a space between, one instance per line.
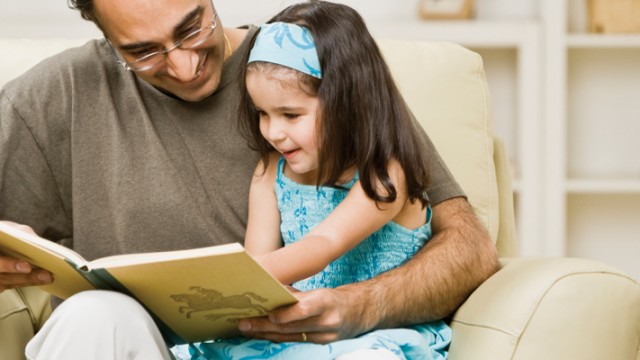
x=342, y=181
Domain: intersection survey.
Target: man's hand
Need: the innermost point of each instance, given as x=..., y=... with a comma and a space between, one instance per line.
x=458, y=258
x=323, y=315
x=16, y=273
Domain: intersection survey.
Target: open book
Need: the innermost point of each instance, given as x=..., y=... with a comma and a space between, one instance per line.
x=193, y=295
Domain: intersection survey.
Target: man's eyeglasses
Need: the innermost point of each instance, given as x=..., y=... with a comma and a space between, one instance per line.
x=154, y=56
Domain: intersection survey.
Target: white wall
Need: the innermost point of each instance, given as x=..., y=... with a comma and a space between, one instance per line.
x=53, y=19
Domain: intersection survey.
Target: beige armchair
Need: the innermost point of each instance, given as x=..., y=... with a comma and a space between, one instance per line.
x=532, y=308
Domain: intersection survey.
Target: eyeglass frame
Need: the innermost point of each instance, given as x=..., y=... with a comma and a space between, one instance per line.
x=165, y=51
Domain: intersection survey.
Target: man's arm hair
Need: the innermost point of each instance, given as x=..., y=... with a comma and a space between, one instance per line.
x=439, y=278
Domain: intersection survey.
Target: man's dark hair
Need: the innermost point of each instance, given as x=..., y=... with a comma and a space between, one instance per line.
x=86, y=10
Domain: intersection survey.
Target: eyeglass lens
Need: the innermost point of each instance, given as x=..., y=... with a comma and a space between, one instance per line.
x=192, y=40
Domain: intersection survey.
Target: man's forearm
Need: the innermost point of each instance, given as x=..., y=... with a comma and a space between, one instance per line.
x=458, y=258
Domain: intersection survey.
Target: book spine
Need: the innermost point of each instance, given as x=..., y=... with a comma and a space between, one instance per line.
x=90, y=276
x=110, y=282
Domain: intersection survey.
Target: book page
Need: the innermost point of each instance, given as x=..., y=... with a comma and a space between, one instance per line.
x=153, y=257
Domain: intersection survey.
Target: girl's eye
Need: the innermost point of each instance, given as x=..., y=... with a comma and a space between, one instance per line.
x=291, y=116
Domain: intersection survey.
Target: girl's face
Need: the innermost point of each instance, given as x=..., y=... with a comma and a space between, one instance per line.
x=288, y=118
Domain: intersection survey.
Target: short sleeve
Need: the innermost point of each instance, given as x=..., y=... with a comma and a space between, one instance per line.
x=28, y=191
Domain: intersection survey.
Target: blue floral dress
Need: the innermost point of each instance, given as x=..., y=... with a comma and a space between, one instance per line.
x=301, y=208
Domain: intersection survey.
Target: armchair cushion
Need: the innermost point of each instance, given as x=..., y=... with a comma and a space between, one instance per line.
x=552, y=308
x=444, y=85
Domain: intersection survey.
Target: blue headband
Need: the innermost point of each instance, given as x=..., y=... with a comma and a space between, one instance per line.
x=288, y=45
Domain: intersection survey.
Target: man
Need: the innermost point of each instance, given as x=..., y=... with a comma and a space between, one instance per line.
x=130, y=145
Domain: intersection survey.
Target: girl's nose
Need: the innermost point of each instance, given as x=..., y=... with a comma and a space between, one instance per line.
x=275, y=131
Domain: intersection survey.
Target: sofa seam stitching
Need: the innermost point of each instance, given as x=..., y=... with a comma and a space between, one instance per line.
x=546, y=292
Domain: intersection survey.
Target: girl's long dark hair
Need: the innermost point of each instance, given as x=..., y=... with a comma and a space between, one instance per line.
x=363, y=119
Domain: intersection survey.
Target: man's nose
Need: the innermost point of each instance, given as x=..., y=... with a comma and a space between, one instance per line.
x=183, y=64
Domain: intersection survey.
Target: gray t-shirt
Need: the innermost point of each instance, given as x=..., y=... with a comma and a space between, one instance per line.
x=98, y=160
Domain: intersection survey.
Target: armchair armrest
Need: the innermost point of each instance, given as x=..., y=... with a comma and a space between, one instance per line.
x=550, y=308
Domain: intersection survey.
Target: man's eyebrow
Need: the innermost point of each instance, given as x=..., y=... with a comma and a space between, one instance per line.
x=185, y=20
x=188, y=18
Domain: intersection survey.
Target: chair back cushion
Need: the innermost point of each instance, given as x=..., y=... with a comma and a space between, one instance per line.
x=445, y=87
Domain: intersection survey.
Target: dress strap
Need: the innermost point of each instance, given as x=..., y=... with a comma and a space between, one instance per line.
x=281, y=163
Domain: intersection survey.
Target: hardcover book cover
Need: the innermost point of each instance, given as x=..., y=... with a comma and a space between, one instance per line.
x=194, y=295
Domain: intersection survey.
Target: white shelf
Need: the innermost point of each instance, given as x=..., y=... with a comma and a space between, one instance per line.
x=469, y=33
x=586, y=40
x=591, y=120
x=603, y=186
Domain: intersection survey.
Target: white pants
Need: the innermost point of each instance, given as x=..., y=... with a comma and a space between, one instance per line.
x=98, y=325
x=101, y=325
